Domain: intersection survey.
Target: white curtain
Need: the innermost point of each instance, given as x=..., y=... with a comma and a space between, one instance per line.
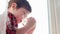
x=3, y=16
x=54, y=16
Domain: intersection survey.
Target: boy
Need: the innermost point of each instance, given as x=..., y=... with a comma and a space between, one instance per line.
x=18, y=10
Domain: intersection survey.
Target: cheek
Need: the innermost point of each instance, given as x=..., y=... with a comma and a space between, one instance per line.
x=19, y=13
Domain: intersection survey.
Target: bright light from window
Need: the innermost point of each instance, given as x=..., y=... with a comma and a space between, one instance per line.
x=3, y=6
x=40, y=12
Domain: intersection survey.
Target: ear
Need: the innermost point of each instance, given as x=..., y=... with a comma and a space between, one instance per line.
x=14, y=5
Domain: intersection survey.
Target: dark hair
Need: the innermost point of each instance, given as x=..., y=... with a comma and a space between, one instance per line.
x=21, y=3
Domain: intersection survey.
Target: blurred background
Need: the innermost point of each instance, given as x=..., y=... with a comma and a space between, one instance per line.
x=3, y=15
x=54, y=16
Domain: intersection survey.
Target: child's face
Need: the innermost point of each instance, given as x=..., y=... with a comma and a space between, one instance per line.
x=21, y=13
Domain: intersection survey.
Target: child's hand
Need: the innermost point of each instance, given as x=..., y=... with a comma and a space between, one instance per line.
x=30, y=22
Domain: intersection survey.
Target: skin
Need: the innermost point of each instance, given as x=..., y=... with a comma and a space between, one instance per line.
x=21, y=13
